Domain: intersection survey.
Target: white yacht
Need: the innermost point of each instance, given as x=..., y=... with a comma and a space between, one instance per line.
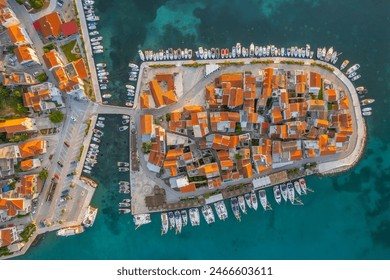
x=68, y=231
x=277, y=194
x=344, y=64
x=141, y=219
x=171, y=218
x=90, y=216
x=194, y=217
x=235, y=208
x=302, y=183
x=290, y=192
x=184, y=217
x=263, y=199
x=208, y=214
x=248, y=201
x=241, y=203
x=221, y=210
x=297, y=187
x=141, y=55
x=352, y=69
x=164, y=223
x=254, y=200
x=178, y=221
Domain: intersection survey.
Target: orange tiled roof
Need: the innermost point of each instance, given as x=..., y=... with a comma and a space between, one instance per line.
x=33, y=99
x=330, y=94
x=81, y=70
x=322, y=123
x=23, y=53
x=50, y=25
x=296, y=155
x=315, y=80
x=174, y=154
x=144, y=99
x=28, y=184
x=32, y=148
x=5, y=237
x=316, y=105
x=13, y=126
x=246, y=171
x=146, y=124
x=26, y=164
x=189, y=188
x=276, y=115
x=52, y=59
x=234, y=79
x=193, y=109
x=11, y=205
x=344, y=103
x=169, y=97
x=156, y=91
x=168, y=78
x=341, y=137
x=214, y=182
x=311, y=153
x=16, y=35
x=301, y=78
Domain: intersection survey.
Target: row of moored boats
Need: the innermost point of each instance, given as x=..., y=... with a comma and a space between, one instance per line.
x=179, y=219
x=133, y=76
x=93, y=151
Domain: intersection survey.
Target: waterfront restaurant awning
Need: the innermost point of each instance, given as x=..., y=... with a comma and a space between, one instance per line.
x=261, y=182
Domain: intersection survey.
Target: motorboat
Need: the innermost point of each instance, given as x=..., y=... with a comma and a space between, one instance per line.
x=131, y=87
x=361, y=90
x=97, y=51
x=164, y=223
x=107, y=95
x=248, y=201
x=171, y=218
x=352, y=69
x=235, y=208
x=277, y=194
x=123, y=128
x=355, y=77
x=101, y=118
x=263, y=199
x=123, y=169
x=93, y=33
x=178, y=221
x=101, y=65
x=367, y=109
x=97, y=140
x=284, y=191
x=124, y=204
x=290, y=192
x=254, y=200
x=97, y=39
x=122, y=163
x=141, y=55
x=141, y=219
x=302, y=183
x=184, y=217
x=367, y=101
x=344, y=64
x=241, y=203
x=297, y=187
x=366, y=114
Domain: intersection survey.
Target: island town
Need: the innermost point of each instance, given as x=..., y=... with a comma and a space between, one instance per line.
x=240, y=125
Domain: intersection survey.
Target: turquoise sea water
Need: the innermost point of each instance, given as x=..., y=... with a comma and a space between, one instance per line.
x=348, y=216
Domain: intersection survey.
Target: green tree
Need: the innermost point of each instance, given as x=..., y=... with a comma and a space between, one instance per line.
x=42, y=77
x=18, y=138
x=168, y=117
x=36, y=4
x=56, y=116
x=43, y=174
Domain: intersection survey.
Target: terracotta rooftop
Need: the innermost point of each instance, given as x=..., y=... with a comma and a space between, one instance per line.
x=144, y=100
x=16, y=35
x=146, y=124
x=50, y=25
x=32, y=148
x=52, y=59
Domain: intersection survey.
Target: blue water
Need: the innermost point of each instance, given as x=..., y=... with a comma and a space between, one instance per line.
x=348, y=215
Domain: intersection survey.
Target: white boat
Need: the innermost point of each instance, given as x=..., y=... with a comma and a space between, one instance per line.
x=97, y=51
x=101, y=65
x=124, y=211
x=254, y=200
x=124, y=204
x=194, y=217
x=123, y=169
x=184, y=217
x=126, y=200
x=297, y=187
x=328, y=55
x=141, y=55
x=208, y=214
x=93, y=33
x=88, y=167
x=87, y=171
x=123, y=183
x=355, y=78
x=132, y=65
x=94, y=146
x=353, y=74
x=141, y=219
x=248, y=201
x=367, y=101
x=238, y=49
x=97, y=140
x=90, y=216
x=68, y=231
x=367, y=109
x=171, y=218
x=178, y=221
x=106, y=95
x=92, y=27
x=284, y=191
x=96, y=39
x=125, y=117
x=344, y=64
x=164, y=223
x=123, y=163
x=97, y=47
x=241, y=203
x=263, y=199
x=290, y=192
x=366, y=114
x=323, y=53
x=125, y=121
x=130, y=87
x=302, y=183
x=93, y=18
x=101, y=125
x=361, y=90
x=353, y=68
x=95, y=44
x=123, y=128
x=101, y=118
x=277, y=194
x=220, y=207
x=252, y=50
x=235, y=208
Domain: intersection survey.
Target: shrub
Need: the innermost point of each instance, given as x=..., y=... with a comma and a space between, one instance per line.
x=56, y=117
x=42, y=77
x=43, y=174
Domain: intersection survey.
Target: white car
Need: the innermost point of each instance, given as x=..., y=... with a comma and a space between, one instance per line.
x=73, y=118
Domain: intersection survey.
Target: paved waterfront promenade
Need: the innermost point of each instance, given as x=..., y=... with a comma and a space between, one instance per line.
x=88, y=50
